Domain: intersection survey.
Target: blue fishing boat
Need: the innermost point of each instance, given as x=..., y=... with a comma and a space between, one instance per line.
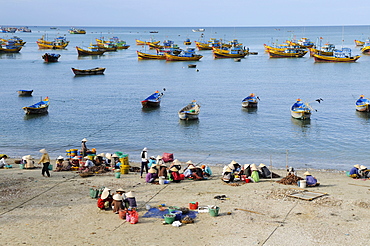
x=300, y=110
x=50, y=57
x=38, y=108
x=362, y=104
x=153, y=101
x=250, y=101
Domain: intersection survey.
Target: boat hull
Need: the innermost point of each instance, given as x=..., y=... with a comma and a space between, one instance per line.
x=363, y=108
x=150, y=104
x=11, y=50
x=218, y=53
x=320, y=58
x=25, y=93
x=82, y=52
x=359, y=43
x=170, y=57
x=280, y=54
x=186, y=116
x=248, y=104
x=144, y=56
x=29, y=110
x=301, y=115
x=93, y=71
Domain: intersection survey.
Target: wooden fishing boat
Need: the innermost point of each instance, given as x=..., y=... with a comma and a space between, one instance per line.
x=139, y=42
x=185, y=55
x=202, y=46
x=121, y=44
x=145, y=56
x=280, y=47
x=107, y=46
x=38, y=108
x=359, y=43
x=76, y=31
x=58, y=43
x=363, y=104
x=190, y=111
x=10, y=49
x=343, y=55
x=301, y=111
x=303, y=43
x=92, y=71
x=187, y=41
x=92, y=50
x=25, y=93
x=49, y=57
x=326, y=50
x=250, y=101
x=233, y=52
x=153, y=101
x=366, y=49
x=287, y=53
x=16, y=41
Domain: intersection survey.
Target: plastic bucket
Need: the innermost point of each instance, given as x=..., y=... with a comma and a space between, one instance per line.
x=172, y=209
x=177, y=214
x=161, y=180
x=302, y=183
x=125, y=169
x=247, y=180
x=21, y=166
x=193, y=205
x=50, y=167
x=117, y=175
x=169, y=218
x=214, y=212
x=73, y=152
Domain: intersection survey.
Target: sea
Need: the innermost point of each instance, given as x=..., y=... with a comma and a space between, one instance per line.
x=106, y=109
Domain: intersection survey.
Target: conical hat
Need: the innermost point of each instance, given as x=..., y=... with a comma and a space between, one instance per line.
x=261, y=165
x=60, y=158
x=108, y=155
x=152, y=170
x=176, y=162
x=233, y=162
x=105, y=193
x=28, y=157
x=246, y=166
x=114, y=155
x=189, y=162
x=117, y=197
x=362, y=167
x=357, y=166
x=84, y=140
x=120, y=189
x=307, y=173
x=254, y=167
x=227, y=170
x=101, y=155
x=191, y=167
x=174, y=169
x=130, y=194
x=75, y=158
x=43, y=151
x=159, y=157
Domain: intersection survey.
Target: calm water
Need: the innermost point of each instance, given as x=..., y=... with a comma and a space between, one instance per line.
x=106, y=109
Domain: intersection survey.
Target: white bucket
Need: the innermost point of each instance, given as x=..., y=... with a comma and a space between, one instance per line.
x=161, y=180
x=302, y=184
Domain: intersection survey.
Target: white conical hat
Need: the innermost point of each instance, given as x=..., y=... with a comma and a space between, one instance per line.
x=254, y=167
x=176, y=162
x=117, y=197
x=307, y=173
x=84, y=140
x=262, y=165
x=362, y=167
x=43, y=151
x=174, y=169
x=233, y=162
x=130, y=194
x=357, y=166
x=108, y=155
x=105, y=193
x=60, y=158
x=189, y=162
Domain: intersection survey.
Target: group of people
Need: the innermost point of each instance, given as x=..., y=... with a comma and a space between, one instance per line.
x=117, y=201
x=235, y=172
x=359, y=171
x=156, y=168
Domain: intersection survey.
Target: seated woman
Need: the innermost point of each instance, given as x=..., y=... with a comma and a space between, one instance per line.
x=99, y=160
x=75, y=162
x=354, y=172
x=207, y=172
x=176, y=163
x=118, y=200
x=28, y=160
x=162, y=170
x=105, y=200
x=151, y=175
x=364, y=172
x=152, y=161
x=131, y=200
x=227, y=175
x=264, y=171
x=255, y=175
x=247, y=170
x=175, y=175
x=310, y=180
x=3, y=163
x=59, y=164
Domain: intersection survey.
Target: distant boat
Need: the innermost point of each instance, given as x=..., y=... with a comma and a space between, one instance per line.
x=366, y=49
x=146, y=56
x=92, y=50
x=250, y=101
x=49, y=57
x=300, y=110
x=25, y=93
x=92, y=71
x=190, y=111
x=187, y=41
x=363, y=104
x=58, y=43
x=287, y=53
x=233, y=52
x=152, y=101
x=153, y=32
x=199, y=30
x=76, y=31
x=185, y=55
x=38, y=108
x=359, y=43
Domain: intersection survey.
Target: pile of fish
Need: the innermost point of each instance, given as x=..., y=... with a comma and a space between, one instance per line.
x=290, y=179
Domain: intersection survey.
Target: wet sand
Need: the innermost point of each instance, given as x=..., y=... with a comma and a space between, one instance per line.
x=59, y=211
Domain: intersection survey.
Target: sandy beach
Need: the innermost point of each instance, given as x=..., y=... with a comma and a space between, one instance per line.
x=35, y=210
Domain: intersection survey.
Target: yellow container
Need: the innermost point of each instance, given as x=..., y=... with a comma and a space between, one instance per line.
x=124, y=160
x=125, y=169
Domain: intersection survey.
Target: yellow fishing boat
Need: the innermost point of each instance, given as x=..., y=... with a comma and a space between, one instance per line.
x=326, y=50
x=93, y=49
x=343, y=55
x=187, y=41
x=10, y=49
x=366, y=49
x=280, y=47
x=16, y=41
x=185, y=55
x=203, y=46
x=139, y=42
x=58, y=43
x=76, y=31
x=145, y=56
x=359, y=43
x=287, y=53
x=233, y=52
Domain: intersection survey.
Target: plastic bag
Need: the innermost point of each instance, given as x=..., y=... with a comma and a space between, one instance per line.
x=167, y=157
x=134, y=217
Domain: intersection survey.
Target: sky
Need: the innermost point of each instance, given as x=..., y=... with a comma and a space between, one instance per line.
x=188, y=13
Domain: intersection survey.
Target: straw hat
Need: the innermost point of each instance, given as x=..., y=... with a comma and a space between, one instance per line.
x=114, y=155
x=60, y=158
x=105, y=193
x=117, y=197
x=357, y=166
x=24, y=157
x=362, y=167
x=108, y=155
x=152, y=157
x=145, y=149
x=192, y=167
x=246, y=166
x=101, y=155
x=233, y=162
x=254, y=167
x=176, y=162
x=84, y=140
x=228, y=170
x=28, y=157
x=307, y=173
x=174, y=169
x=130, y=194
x=152, y=170
x=261, y=165
x=75, y=158
x=43, y=151
x=159, y=157
x=189, y=162
x=120, y=189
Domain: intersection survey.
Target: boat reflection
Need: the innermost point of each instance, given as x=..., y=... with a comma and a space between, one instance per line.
x=34, y=116
x=304, y=124
x=250, y=110
x=188, y=123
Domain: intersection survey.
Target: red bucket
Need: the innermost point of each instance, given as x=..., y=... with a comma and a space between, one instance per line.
x=193, y=205
x=247, y=180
